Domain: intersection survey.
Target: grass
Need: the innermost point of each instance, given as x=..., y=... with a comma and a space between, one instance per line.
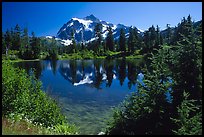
x=89, y=55
x=22, y=127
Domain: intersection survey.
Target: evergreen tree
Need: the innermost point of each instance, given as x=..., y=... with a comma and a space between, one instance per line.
x=3, y=44
x=188, y=124
x=169, y=34
x=146, y=39
x=17, y=38
x=186, y=65
x=25, y=45
x=74, y=45
x=122, y=41
x=135, y=44
x=157, y=38
x=161, y=39
x=35, y=46
x=54, y=51
x=133, y=39
x=110, y=40
x=146, y=111
x=152, y=37
x=98, y=32
x=8, y=41
x=130, y=39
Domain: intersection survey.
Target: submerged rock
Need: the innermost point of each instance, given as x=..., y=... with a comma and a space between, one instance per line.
x=101, y=133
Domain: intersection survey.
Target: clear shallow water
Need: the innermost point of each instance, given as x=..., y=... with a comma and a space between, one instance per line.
x=87, y=90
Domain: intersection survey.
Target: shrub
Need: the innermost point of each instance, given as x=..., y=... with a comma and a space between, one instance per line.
x=22, y=94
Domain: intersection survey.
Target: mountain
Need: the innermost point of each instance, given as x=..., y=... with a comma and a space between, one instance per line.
x=84, y=29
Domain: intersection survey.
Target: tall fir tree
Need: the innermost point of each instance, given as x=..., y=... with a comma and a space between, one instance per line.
x=122, y=41
x=25, y=44
x=8, y=41
x=17, y=38
x=74, y=45
x=98, y=32
x=110, y=40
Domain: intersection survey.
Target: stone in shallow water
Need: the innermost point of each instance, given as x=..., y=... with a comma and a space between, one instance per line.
x=101, y=133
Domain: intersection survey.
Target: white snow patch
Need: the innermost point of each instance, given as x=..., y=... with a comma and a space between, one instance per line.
x=84, y=22
x=66, y=42
x=114, y=27
x=50, y=37
x=70, y=24
x=140, y=30
x=105, y=34
x=92, y=39
x=57, y=39
x=104, y=27
x=77, y=31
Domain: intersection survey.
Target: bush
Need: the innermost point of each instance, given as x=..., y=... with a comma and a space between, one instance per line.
x=22, y=94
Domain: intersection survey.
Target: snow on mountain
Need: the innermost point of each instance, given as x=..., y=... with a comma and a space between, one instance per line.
x=84, y=29
x=66, y=42
x=86, y=23
x=140, y=30
x=49, y=37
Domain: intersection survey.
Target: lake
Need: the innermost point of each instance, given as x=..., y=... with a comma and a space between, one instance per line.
x=87, y=90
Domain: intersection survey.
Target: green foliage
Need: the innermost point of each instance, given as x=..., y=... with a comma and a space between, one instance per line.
x=133, y=40
x=110, y=40
x=122, y=41
x=146, y=111
x=64, y=129
x=22, y=94
x=187, y=123
x=187, y=55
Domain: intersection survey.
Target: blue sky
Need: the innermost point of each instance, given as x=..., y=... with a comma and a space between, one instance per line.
x=46, y=18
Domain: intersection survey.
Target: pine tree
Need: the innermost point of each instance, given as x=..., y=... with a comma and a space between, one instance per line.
x=133, y=39
x=186, y=57
x=122, y=41
x=152, y=37
x=74, y=48
x=8, y=41
x=146, y=111
x=135, y=45
x=109, y=40
x=98, y=32
x=25, y=45
x=188, y=124
x=157, y=38
x=35, y=46
x=146, y=39
x=130, y=38
x=3, y=43
x=17, y=38
x=169, y=34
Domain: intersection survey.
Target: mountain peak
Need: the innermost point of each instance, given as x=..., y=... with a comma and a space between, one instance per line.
x=92, y=18
x=84, y=29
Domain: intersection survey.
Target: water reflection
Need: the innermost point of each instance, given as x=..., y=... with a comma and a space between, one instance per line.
x=95, y=72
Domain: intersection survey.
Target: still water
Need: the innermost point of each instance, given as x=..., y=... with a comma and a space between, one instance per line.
x=87, y=90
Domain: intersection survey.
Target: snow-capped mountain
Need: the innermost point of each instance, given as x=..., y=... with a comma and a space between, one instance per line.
x=84, y=29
